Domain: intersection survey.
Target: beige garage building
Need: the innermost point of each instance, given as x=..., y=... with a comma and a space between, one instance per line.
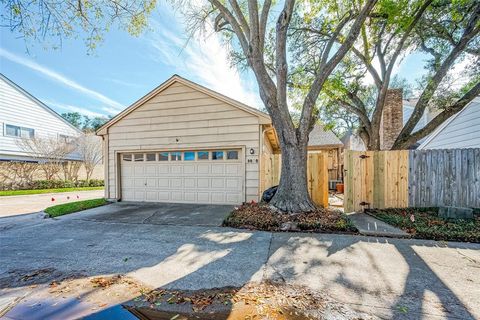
x=185, y=143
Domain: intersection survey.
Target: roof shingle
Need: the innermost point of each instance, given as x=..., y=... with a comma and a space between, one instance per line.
x=319, y=137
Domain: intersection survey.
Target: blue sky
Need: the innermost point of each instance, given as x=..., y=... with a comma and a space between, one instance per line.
x=124, y=68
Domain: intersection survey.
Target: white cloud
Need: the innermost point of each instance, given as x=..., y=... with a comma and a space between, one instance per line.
x=204, y=58
x=61, y=79
x=68, y=107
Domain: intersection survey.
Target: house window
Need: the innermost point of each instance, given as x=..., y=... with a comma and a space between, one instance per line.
x=202, y=155
x=127, y=157
x=189, y=156
x=21, y=132
x=163, y=156
x=232, y=155
x=175, y=156
x=151, y=156
x=217, y=155
x=138, y=157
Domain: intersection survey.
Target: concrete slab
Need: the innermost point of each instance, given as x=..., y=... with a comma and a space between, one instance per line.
x=370, y=226
x=161, y=214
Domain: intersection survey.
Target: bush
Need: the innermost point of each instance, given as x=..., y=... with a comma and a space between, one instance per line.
x=55, y=184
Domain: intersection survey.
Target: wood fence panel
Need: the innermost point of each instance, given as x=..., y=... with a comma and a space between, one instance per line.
x=376, y=179
x=317, y=175
x=444, y=178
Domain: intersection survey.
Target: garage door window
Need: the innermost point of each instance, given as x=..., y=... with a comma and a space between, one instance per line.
x=232, y=155
x=202, y=155
x=217, y=155
x=189, y=156
x=163, y=156
x=138, y=157
x=127, y=157
x=176, y=156
x=151, y=157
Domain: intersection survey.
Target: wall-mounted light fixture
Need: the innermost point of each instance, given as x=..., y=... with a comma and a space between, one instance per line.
x=252, y=151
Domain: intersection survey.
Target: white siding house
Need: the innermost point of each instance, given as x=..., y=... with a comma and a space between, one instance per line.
x=462, y=130
x=23, y=116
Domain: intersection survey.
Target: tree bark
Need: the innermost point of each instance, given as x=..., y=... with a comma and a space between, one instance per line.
x=292, y=194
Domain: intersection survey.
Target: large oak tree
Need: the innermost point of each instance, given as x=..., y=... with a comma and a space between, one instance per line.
x=445, y=31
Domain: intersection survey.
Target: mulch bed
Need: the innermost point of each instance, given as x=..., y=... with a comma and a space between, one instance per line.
x=260, y=217
x=424, y=223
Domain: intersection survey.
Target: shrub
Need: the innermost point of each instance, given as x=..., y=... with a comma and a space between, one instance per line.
x=54, y=184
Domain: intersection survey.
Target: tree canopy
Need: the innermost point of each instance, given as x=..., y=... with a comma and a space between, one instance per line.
x=85, y=123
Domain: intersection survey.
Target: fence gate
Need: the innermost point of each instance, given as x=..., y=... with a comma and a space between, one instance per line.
x=375, y=179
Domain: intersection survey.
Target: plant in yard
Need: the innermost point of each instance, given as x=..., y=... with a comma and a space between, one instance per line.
x=50, y=152
x=90, y=149
x=446, y=33
x=14, y=174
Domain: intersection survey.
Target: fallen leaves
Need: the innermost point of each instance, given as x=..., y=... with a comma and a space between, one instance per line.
x=261, y=217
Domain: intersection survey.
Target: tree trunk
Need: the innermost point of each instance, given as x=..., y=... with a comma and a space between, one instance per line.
x=292, y=195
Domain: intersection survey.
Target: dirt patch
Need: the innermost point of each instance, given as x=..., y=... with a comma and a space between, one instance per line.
x=262, y=217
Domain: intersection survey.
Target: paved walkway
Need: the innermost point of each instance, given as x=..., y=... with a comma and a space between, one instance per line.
x=370, y=226
x=17, y=205
x=388, y=278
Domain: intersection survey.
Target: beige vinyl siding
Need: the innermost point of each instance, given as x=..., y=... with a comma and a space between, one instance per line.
x=182, y=118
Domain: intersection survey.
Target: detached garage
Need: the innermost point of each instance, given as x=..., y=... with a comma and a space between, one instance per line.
x=185, y=143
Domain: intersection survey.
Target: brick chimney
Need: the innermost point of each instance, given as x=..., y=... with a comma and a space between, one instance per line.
x=392, y=118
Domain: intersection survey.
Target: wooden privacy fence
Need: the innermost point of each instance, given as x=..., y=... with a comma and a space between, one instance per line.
x=449, y=177
x=375, y=179
x=317, y=175
x=412, y=178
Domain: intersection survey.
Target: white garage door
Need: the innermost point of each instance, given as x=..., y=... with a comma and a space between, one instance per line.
x=200, y=176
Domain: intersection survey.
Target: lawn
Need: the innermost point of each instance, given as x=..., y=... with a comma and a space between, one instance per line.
x=66, y=208
x=260, y=217
x=424, y=223
x=40, y=191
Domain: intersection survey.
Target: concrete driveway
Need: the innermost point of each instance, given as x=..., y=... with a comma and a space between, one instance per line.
x=16, y=205
x=388, y=278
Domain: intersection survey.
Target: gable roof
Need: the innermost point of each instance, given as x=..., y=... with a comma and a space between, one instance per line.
x=475, y=103
x=263, y=117
x=38, y=102
x=319, y=137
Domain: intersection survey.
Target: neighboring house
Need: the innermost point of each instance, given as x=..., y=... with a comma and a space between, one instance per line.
x=24, y=116
x=321, y=140
x=185, y=143
x=396, y=113
x=462, y=130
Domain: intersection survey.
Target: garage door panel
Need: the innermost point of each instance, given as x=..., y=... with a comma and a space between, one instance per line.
x=163, y=182
x=189, y=181
x=150, y=170
x=189, y=169
x=139, y=170
x=190, y=196
x=218, y=169
x=163, y=169
x=217, y=183
x=176, y=169
x=232, y=183
x=176, y=183
x=233, y=169
x=203, y=169
x=203, y=183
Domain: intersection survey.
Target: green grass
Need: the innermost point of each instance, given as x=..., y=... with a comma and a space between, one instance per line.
x=40, y=191
x=427, y=224
x=66, y=208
